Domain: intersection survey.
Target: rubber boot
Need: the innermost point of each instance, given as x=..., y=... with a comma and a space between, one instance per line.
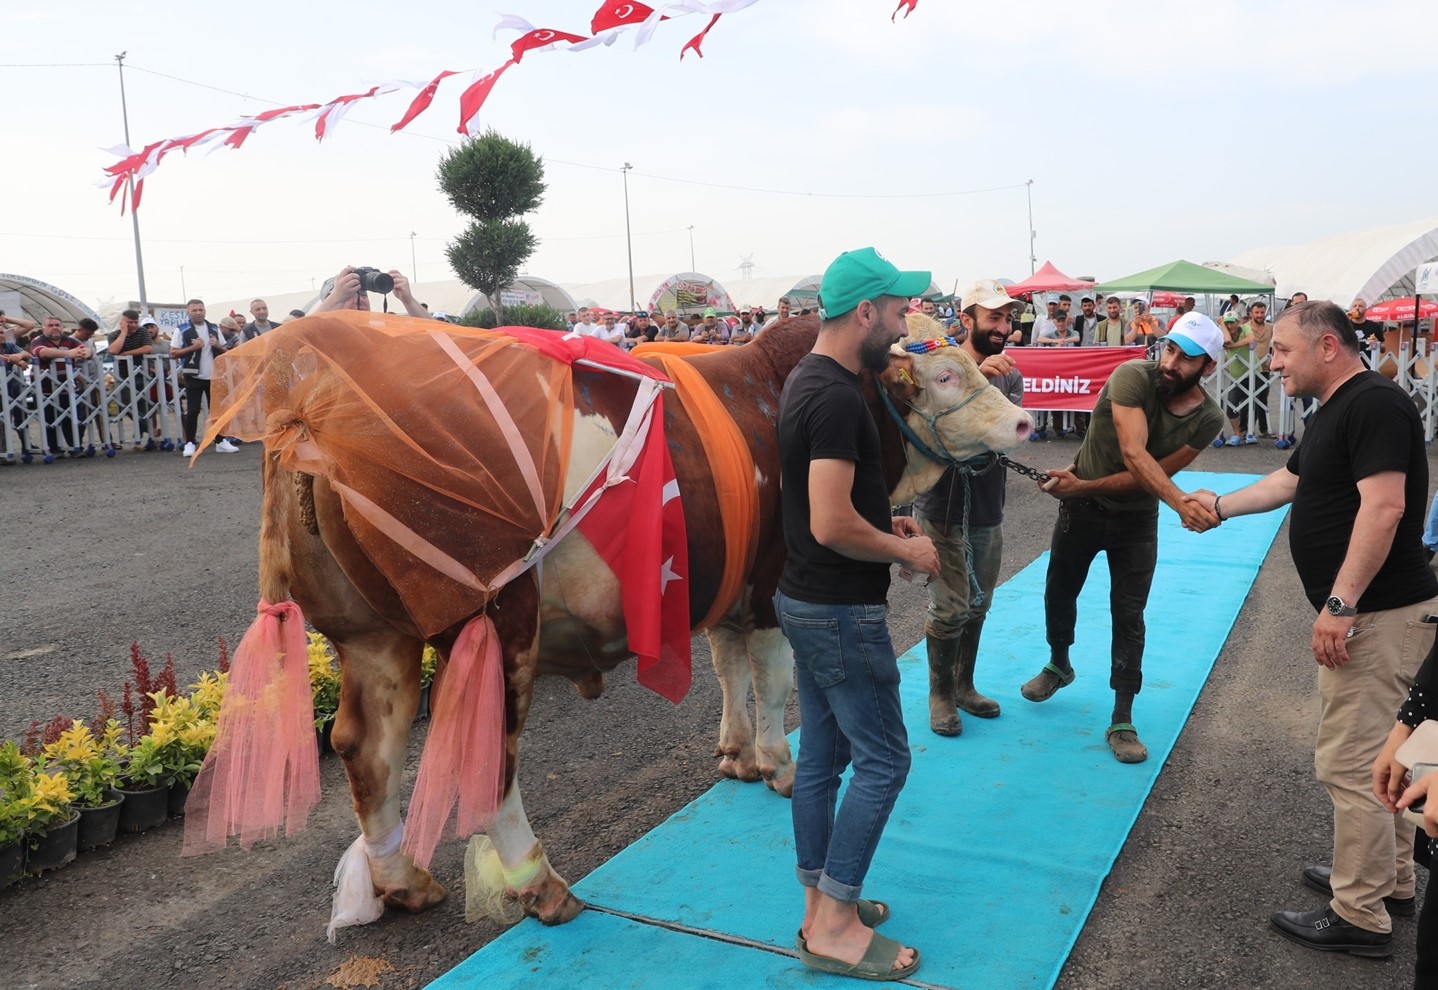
x=965, y=697
x=943, y=716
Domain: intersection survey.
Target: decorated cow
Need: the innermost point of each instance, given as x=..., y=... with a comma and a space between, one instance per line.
x=529, y=504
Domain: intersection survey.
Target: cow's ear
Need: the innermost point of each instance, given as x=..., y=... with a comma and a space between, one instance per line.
x=900, y=379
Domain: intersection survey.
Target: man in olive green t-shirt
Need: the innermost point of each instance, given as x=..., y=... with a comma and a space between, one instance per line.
x=1151, y=420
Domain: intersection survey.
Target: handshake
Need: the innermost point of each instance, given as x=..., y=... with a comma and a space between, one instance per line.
x=1199, y=510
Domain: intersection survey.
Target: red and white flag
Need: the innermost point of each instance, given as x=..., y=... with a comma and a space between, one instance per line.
x=472, y=99
x=637, y=528
x=421, y=102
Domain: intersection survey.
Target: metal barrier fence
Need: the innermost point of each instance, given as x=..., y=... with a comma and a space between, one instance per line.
x=1249, y=393
x=80, y=408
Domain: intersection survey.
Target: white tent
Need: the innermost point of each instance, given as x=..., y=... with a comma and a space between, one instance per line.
x=22, y=295
x=1371, y=264
x=613, y=293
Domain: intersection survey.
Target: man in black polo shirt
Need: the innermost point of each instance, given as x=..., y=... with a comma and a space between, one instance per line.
x=1359, y=487
x=832, y=607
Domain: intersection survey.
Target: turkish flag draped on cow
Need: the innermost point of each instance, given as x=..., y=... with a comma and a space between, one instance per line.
x=637, y=528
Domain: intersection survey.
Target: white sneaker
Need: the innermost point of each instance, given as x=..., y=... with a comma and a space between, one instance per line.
x=225, y=447
x=189, y=450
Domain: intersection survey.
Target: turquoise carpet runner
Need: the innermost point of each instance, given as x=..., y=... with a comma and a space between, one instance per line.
x=998, y=845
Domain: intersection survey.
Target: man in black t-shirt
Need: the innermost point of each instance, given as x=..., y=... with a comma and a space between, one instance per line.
x=831, y=603
x=1359, y=485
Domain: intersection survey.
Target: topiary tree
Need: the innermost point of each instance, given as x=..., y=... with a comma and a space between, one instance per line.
x=494, y=181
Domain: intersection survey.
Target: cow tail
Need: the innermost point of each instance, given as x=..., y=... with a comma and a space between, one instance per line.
x=276, y=568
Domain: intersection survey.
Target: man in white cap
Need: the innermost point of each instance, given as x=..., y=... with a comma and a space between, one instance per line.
x=956, y=614
x=1151, y=420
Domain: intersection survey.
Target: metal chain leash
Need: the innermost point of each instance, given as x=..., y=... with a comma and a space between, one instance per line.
x=1023, y=469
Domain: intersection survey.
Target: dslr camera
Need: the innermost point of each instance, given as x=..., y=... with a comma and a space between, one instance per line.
x=374, y=280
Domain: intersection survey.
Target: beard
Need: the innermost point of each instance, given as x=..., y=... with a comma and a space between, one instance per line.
x=984, y=342
x=1177, y=384
x=874, y=352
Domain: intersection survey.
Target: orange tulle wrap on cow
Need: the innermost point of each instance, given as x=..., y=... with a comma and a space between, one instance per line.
x=263, y=770
x=463, y=760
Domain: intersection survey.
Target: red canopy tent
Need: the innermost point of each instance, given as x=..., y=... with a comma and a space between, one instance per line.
x=1047, y=279
x=1401, y=310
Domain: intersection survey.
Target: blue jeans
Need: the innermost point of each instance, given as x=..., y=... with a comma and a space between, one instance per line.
x=848, y=679
x=1430, y=529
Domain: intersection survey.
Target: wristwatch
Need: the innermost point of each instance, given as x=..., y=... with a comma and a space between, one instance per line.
x=1337, y=606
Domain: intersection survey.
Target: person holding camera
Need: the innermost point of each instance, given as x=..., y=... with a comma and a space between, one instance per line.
x=197, y=344
x=350, y=289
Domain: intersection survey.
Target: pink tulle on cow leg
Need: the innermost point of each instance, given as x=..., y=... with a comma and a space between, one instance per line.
x=262, y=771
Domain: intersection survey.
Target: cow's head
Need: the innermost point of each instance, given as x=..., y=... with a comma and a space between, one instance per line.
x=945, y=401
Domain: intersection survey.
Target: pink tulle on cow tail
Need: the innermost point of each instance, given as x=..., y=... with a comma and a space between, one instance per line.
x=263, y=769
x=464, y=756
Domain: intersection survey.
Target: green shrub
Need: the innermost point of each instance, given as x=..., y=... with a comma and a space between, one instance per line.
x=542, y=316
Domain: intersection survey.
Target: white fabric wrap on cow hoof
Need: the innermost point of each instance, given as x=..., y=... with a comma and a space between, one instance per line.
x=355, y=902
x=486, y=885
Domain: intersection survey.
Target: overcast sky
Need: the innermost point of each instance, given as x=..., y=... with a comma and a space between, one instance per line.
x=1151, y=132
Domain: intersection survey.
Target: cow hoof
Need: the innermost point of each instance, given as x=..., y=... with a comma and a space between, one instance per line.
x=781, y=782
x=740, y=768
x=552, y=904
x=420, y=895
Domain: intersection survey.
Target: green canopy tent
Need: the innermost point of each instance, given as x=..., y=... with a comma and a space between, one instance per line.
x=1185, y=276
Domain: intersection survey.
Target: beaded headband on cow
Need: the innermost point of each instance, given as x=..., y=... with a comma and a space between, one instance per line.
x=925, y=346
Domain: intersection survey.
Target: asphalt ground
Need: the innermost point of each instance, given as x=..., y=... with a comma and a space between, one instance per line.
x=98, y=554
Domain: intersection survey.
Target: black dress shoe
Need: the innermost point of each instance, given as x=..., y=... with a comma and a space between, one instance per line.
x=1320, y=878
x=1325, y=931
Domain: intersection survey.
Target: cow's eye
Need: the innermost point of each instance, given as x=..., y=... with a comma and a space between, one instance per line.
x=943, y=378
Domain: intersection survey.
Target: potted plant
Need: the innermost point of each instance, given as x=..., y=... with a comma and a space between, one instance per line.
x=142, y=781
x=428, y=661
x=52, y=823
x=15, y=777
x=184, y=736
x=324, y=688
x=91, y=768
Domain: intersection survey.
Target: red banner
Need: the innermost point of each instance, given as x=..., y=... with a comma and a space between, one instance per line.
x=1068, y=378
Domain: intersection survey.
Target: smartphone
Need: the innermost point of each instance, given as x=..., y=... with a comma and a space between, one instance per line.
x=1419, y=771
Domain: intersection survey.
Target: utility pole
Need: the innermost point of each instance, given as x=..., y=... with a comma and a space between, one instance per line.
x=691, y=249
x=413, y=268
x=185, y=295
x=1033, y=261
x=628, y=241
x=130, y=185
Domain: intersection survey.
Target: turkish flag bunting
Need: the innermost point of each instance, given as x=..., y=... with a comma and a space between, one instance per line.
x=541, y=38
x=422, y=101
x=613, y=15
x=473, y=98
x=911, y=4
x=698, y=39
x=637, y=528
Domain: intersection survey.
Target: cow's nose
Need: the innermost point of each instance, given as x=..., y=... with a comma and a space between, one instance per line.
x=1025, y=428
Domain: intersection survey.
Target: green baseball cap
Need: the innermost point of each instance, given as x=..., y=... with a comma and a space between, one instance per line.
x=711, y=312
x=865, y=274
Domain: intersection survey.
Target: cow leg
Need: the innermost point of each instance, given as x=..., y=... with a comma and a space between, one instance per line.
x=379, y=695
x=528, y=877
x=773, y=672
x=736, y=732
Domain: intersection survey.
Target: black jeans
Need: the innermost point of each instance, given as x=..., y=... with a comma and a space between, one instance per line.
x=1131, y=541
x=196, y=388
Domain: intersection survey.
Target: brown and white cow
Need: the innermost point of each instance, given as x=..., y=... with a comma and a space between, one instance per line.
x=572, y=623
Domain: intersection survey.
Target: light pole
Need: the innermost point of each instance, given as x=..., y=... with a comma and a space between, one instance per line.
x=691, y=249
x=628, y=241
x=183, y=294
x=413, y=268
x=1033, y=261
x=130, y=185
